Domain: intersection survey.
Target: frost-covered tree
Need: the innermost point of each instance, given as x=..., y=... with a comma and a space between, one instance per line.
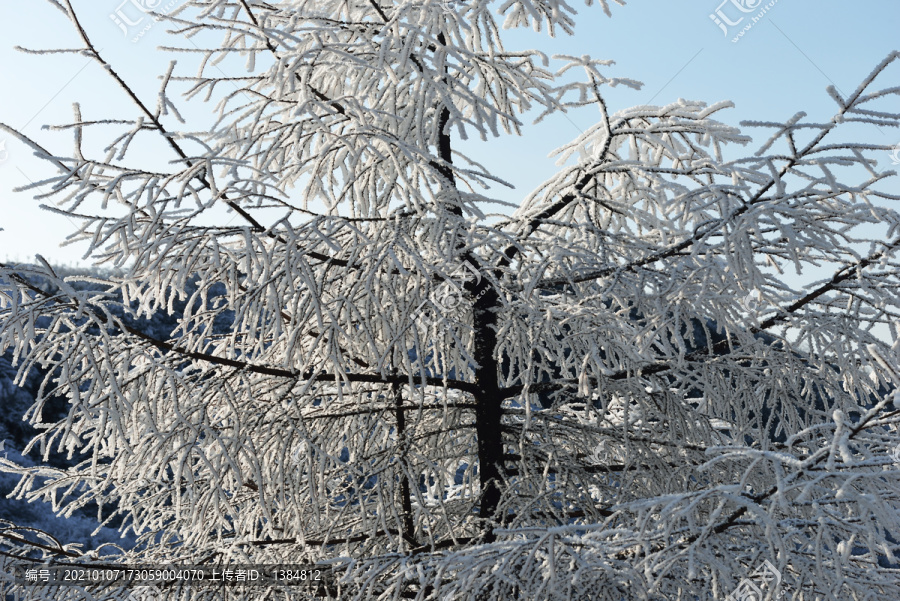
x=617, y=389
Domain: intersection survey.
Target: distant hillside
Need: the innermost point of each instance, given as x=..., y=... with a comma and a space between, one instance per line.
x=16, y=433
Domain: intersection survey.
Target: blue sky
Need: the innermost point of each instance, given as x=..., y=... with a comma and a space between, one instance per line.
x=780, y=66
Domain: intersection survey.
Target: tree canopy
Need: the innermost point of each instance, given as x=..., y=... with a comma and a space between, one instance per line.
x=616, y=389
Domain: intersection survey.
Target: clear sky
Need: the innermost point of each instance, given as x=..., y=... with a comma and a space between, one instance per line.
x=780, y=66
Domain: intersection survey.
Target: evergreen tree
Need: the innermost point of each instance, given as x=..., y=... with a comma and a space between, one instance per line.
x=607, y=392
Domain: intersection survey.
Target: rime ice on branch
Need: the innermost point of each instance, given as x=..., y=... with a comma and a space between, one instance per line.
x=607, y=391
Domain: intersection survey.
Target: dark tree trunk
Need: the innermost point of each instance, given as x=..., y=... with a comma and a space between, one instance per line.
x=487, y=413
